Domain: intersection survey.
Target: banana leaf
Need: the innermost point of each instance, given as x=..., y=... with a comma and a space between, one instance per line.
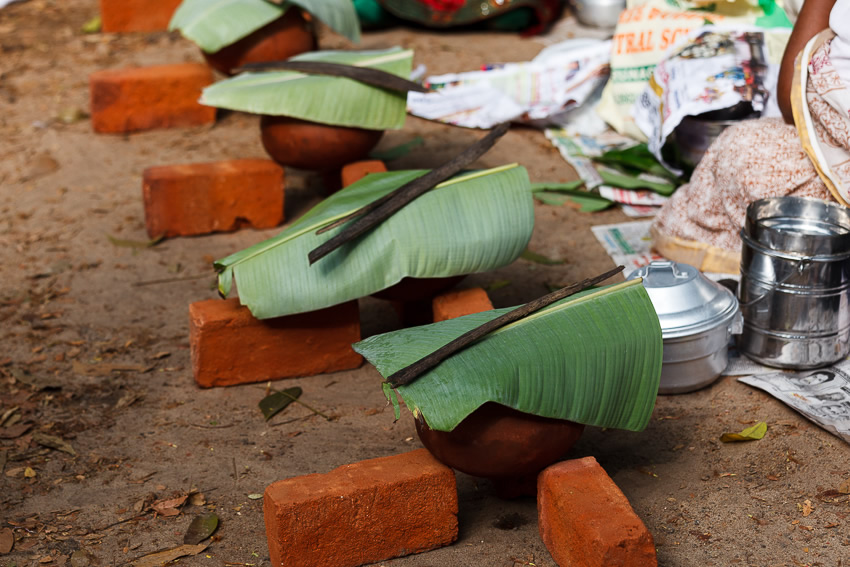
x=320, y=98
x=471, y=223
x=213, y=24
x=593, y=358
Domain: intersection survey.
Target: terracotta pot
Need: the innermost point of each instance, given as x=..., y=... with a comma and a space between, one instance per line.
x=310, y=145
x=501, y=443
x=418, y=289
x=281, y=39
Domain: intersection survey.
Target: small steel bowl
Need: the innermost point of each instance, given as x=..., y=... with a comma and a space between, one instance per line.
x=598, y=13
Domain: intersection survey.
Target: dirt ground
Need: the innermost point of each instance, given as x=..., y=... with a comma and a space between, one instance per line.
x=94, y=349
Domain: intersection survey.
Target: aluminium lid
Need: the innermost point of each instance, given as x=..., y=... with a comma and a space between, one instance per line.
x=686, y=302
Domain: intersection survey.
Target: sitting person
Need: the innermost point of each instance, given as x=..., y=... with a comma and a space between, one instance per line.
x=806, y=155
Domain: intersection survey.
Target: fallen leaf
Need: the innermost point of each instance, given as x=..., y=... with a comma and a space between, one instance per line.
x=844, y=487
x=255, y=496
x=8, y=414
x=29, y=472
x=15, y=431
x=277, y=401
x=7, y=540
x=807, y=507
x=92, y=25
x=539, y=258
x=753, y=433
x=161, y=355
x=197, y=499
x=202, y=527
x=127, y=400
x=169, y=507
x=160, y=558
x=53, y=442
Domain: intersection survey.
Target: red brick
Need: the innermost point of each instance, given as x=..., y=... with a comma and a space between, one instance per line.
x=361, y=513
x=221, y=196
x=136, y=15
x=145, y=98
x=230, y=346
x=459, y=303
x=586, y=521
x=359, y=169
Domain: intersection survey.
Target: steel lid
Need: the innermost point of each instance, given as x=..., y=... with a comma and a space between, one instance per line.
x=687, y=302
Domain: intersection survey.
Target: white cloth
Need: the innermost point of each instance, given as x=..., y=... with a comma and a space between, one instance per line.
x=839, y=54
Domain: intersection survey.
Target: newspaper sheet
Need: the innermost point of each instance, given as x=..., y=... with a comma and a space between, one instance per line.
x=630, y=244
x=537, y=92
x=715, y=69
x=822, y=396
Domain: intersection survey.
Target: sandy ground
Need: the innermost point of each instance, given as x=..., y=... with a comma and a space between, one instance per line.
x=95, y=353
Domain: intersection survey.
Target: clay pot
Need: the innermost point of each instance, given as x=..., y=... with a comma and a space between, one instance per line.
x=281, y=39
x=501, y=443
x=310, y=145
x=418, y=289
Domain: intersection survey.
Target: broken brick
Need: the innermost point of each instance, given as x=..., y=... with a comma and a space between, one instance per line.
x=145, y=98
x=459, y=303
x=136, y=15
x=230, y=346
x=365, y=512
x=357, y=170
x=586, y=521
x=222, y=196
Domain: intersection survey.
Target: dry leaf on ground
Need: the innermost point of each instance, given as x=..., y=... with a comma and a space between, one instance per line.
x=53, y=442
x=159, y=558
x=169, y=507
x=7, y=540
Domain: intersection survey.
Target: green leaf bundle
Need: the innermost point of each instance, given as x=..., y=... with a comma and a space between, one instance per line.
x=471, y=223
x=594, y=358
x=320, y=98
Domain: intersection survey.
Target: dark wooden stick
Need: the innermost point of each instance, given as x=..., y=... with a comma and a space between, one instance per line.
x=379, y=210
x=367, y=75
x=410, y=373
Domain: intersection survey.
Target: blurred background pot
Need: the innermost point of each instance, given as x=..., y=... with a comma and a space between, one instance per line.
x=598, y=13
x=283, y=38
x=311, y=145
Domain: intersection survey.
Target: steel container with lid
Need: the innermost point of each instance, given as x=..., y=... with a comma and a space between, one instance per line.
x=795, y=282
x=697, y=316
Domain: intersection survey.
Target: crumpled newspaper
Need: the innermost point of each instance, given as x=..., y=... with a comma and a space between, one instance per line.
x=716, y=68
x=539, y=92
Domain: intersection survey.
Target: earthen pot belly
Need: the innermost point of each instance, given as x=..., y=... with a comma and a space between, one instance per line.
x=418, y=289
x=281, y=39
x=310, y=145
x=496, y=441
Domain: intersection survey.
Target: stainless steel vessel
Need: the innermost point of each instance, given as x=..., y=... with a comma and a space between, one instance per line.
x=697, y=316
x=795, y=280
x=598, y=13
